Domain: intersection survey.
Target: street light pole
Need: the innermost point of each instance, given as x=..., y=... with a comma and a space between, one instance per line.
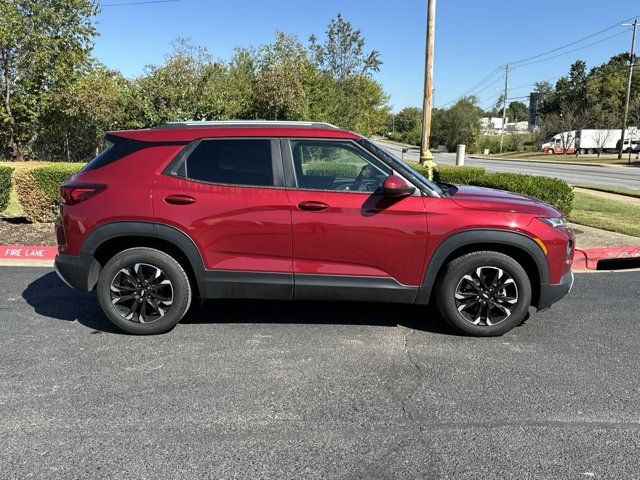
x=625, y=117
x=425, y=154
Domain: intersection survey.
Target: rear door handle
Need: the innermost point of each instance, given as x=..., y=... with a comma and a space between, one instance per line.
x=179, y=199
x=312, y=206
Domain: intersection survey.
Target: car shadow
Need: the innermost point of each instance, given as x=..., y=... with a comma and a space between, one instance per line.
x=51, y=298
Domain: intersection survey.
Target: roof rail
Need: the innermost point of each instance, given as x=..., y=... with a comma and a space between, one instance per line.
x=247, y=123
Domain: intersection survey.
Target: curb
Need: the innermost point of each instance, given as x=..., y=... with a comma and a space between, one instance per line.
x=27, y=252
x=589, y=258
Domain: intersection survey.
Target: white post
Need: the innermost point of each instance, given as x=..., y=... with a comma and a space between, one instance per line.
x=460, y=155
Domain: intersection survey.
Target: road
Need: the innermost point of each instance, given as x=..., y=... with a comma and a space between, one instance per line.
x=310, y=390
x=622, y=177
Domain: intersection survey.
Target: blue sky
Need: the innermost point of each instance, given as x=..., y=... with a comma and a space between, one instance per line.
x=473, y=37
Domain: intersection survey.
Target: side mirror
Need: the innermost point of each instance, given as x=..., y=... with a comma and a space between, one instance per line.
x=396, y=187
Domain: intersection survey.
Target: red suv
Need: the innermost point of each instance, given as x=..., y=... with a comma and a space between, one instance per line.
x=298, y=211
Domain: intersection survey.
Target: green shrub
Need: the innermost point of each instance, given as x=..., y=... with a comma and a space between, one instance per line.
x=327, y=169
x=458, y=175
x=550, y=190
x=553, y=191
x=5, y=187
x=38, y=189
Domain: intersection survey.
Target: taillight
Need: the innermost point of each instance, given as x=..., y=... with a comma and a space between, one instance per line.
x=75, y=193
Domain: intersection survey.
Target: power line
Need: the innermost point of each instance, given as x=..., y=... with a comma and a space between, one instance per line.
x=492, y=103
x=519, y=63
x=477, y=85
x=611, y=27
x=488, y=86
x=517, y=87
x=572, y=51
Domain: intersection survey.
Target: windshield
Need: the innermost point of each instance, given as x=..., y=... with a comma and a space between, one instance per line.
x=401, y=166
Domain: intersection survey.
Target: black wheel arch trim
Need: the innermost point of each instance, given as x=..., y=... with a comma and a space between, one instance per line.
x=480, y=236
x=113, y=230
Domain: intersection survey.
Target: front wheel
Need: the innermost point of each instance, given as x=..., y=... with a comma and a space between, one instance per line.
x=484, y=293
x=144, y=291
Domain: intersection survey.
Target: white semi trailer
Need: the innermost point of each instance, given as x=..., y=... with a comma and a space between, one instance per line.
x=588, y=141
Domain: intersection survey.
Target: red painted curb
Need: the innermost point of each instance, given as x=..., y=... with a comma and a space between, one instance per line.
x=28, y=252
x=589, y=257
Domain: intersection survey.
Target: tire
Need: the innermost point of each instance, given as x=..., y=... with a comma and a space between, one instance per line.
x=549, y=151
x=130, y=277
x=454, y=289
x=583, y=151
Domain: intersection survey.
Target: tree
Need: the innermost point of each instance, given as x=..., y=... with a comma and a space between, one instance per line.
x=458, y=124
x=43, y=45
x=568, y=121
x=342, y=54
x=518, y=112
x=407, y=119
x=77, y=118
x=239, y=87
x=606, y=86
x=282, y=66
x=173, y=91
x=362, y=105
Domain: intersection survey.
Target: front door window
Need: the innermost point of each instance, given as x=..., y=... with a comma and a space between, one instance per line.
x=336, y=166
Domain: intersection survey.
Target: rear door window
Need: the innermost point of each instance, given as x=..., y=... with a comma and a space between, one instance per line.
x=233, y=162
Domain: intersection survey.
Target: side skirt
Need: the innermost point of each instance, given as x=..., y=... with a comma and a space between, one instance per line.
x=283, y=286
x=356, y=289
x=258, y=285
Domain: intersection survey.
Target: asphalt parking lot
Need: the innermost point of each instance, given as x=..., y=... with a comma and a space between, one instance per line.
x=310, y=390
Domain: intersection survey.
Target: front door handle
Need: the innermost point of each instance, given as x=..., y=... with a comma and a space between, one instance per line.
x=179, y=199
x=312, y=206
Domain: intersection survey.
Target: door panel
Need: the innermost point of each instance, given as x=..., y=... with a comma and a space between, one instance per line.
x=234, y=227
x=359, y=234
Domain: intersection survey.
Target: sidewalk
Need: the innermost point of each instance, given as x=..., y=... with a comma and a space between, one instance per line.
x=609, y=196
x=589, y=237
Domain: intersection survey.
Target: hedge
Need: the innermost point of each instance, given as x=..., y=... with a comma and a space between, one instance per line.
x=5, y=187
x=456, y=175
x=553, y=191
x=348, y=170
x=550, y=190
x=38, y=189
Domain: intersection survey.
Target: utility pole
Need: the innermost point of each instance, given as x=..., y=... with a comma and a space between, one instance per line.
x=625, y=117
x=504, y=104
x=425, y=154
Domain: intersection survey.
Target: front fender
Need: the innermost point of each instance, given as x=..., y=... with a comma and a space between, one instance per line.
x=486, y=238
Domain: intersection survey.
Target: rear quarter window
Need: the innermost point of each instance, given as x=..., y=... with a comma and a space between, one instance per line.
x=113, y=153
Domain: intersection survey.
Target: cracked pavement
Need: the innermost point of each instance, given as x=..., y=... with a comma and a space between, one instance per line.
x=318, y=390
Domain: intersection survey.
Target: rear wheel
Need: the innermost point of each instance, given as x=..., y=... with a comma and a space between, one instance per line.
x=484, y=293
x=144, y=291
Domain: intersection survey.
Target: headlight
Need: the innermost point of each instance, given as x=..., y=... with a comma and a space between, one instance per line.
x=555, y=222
